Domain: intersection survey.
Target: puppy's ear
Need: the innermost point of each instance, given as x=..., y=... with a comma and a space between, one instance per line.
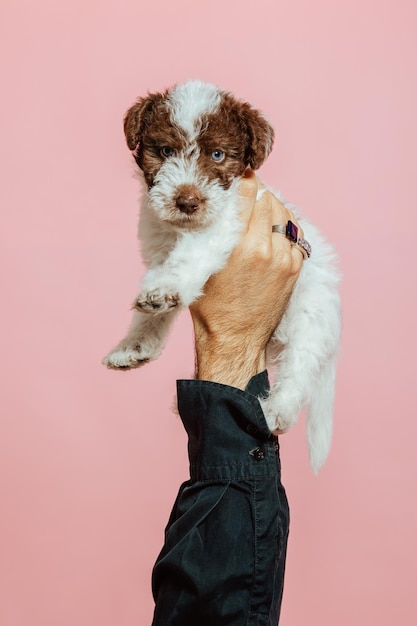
x=261, y=137
x=136, y=118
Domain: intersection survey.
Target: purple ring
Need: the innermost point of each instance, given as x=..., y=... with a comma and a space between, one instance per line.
x=290, y=230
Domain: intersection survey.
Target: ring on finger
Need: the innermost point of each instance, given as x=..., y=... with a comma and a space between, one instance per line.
x=290, y=230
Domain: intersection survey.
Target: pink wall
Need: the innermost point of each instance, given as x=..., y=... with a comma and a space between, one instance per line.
x=91, y=459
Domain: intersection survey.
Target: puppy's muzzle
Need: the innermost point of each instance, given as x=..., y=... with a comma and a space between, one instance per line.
x=187, y=203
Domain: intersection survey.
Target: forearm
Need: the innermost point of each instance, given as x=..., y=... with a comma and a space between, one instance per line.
x=233, y=363
x=243, y=304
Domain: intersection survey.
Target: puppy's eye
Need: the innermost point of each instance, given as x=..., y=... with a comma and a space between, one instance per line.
x=218, y=156
x=167, y=152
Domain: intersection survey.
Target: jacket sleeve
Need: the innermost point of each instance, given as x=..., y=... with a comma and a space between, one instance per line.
x=224, y=553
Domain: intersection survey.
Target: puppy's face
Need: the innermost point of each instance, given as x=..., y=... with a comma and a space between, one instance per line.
x=192, y=143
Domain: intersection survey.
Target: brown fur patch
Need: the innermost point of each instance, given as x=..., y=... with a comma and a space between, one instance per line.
x=261, y=136
x=236, y=128
x=241, y=133
x=137, y=118
x=152, y=130
x=254, y=128
x=148, y=155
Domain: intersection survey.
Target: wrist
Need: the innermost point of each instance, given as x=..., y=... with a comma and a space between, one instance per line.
x=231, y=363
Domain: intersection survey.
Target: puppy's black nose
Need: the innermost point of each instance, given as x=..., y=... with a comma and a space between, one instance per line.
x=187, y=204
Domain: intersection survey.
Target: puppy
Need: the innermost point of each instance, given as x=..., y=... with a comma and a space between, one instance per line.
x=192, y=144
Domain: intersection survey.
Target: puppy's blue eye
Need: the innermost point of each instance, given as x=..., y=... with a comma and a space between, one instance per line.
x=218, y=156
x=167, y=152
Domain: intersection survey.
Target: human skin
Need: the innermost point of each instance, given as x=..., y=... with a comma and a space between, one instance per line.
x=244, y=302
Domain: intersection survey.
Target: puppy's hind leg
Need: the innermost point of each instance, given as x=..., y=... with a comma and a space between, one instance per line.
x=309, y=333
x=304, y=379
x=144, y=341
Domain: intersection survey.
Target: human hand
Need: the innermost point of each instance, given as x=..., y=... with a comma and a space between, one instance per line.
x=244, y=302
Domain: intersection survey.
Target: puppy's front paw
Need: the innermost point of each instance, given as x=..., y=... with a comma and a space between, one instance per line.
x=125, y=358
x=280, y=415
x=281, y=424
x=156, y=301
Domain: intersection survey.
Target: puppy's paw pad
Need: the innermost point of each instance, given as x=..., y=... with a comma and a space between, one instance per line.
x=125, y=359
x=156, y=301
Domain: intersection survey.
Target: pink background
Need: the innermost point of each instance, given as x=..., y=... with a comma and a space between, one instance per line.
x=90, y=459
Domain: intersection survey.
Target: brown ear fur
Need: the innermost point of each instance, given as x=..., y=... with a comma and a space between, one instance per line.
x=261, y=136
x=136, y=117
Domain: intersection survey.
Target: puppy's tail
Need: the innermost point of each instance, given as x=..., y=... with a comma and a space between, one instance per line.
x=320, y=416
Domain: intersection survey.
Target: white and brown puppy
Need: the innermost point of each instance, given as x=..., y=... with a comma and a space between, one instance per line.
x=192, y=144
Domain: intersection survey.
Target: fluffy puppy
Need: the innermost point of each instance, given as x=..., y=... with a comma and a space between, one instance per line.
x=192, y=144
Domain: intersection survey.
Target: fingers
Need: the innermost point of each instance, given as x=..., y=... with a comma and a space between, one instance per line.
x=249, y=184
x=283, y=249
x=260, y=222
x=260, y=211
x=248, y=189
x=257, y=209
